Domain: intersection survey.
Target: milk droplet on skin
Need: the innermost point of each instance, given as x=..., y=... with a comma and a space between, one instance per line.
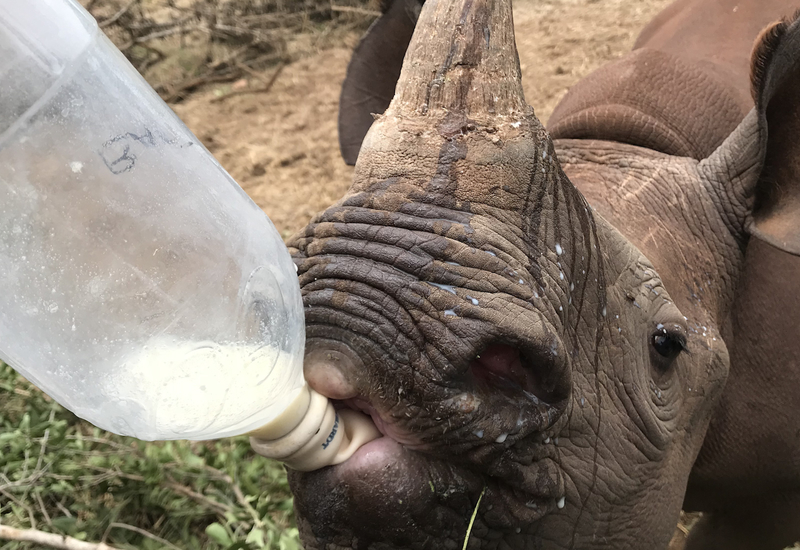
x=501, y=438
x=479, y=434
x=561, y=275
x=546, y=440
x=559, y=250
x=449, y=313
x=604, y=311
x=521, y=282
x=449, y=288
x=561, y=502
x=473, y=300
x=76, y=167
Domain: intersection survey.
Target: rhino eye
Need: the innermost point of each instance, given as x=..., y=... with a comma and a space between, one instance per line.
x=666, y=346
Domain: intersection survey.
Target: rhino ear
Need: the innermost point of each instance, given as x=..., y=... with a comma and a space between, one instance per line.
x=373, y=72
x=775, y=70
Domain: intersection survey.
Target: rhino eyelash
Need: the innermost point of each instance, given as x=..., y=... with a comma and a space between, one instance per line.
x=681, y=339
x=678, y=336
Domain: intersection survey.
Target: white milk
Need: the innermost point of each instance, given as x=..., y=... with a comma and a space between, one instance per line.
x=201, y=390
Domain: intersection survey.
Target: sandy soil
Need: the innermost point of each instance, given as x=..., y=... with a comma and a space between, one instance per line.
x=282, y=147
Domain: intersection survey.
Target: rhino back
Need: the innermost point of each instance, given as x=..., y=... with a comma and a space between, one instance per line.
x=683, y=89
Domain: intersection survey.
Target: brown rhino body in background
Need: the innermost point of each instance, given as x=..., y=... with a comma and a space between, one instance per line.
x=567, y=362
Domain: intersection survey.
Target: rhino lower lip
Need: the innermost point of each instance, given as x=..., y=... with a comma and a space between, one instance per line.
x=373, y=456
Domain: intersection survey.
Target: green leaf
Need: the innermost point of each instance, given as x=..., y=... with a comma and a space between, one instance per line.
x=256, y=537
x=64, y=524
x=290, y=540
x=217, y=532
x=194, y=461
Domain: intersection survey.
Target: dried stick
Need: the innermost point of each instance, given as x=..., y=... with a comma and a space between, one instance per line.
x=114, y=18
x=181, y=88
x=43, y=508
x=154, y=35
x=360, y=11
x=143, y=533
x=267, y=87
x=50, y=540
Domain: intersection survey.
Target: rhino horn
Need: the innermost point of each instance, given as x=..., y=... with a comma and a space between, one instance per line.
x=462, y=59
x=458, y=125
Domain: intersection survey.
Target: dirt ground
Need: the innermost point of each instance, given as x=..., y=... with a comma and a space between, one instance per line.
x=282, y=148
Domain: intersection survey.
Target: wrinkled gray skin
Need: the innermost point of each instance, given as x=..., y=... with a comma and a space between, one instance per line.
x=505, y=336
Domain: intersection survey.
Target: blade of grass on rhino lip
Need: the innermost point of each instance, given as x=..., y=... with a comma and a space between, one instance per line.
x=472, y=519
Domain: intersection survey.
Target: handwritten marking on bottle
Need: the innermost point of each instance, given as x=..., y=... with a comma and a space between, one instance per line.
x=333, y=432
x=117, y=153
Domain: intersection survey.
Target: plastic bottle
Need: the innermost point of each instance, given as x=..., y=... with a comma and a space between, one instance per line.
x=140, y=286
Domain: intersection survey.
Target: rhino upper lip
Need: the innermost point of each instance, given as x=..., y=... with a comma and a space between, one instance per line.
x=363, y=406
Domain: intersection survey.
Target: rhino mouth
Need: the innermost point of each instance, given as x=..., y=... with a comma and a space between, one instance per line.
x=408, y=490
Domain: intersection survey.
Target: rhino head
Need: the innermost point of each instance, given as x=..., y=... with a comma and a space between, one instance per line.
x=515, y=348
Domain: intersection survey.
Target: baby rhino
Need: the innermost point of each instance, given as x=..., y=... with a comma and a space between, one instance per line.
x=542, y=324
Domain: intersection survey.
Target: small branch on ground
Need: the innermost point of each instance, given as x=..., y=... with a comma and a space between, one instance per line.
x=114, y=18
x=142, y=532
x=181, y=89
x=266, y=88
x=352, y=9
x=50, y=540
x=239, y=494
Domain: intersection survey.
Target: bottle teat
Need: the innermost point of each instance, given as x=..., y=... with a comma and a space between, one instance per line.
x=311, y=434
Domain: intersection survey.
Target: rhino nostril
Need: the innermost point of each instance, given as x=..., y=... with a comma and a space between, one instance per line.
x=504, y=367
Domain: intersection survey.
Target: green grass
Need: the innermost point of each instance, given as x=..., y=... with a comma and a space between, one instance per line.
x=61, y=475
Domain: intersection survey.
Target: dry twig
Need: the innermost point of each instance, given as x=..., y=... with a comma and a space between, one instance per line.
x=114, y=18
x=266, y=88
x=50, y=540
x=141, y=532
x=353, y=9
